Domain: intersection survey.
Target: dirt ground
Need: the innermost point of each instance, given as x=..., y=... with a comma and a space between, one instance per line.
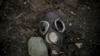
x=19, y=21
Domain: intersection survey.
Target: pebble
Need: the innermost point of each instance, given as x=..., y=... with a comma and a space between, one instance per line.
x=70, y=24
x=78, y=38
x=25, y=3
x=84, y=23
x=88, y=7
x=73, y=13
x=79, y=45
x=90, y=40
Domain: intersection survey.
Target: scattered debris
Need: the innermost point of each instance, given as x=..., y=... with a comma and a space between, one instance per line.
x=79, y=45
x=25, y=3
x=70, y=24
x=73, y=13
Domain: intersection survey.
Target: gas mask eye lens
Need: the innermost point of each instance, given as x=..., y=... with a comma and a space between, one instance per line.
x=59, y=25
x=43, y=27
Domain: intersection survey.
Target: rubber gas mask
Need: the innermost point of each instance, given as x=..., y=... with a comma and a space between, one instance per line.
x=52, y=28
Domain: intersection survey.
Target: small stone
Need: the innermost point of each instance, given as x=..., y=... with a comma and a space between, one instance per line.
x=73, y=13
x=90, y=40
x=78, y=38
x=70, y=24
x=25, y=3
x=80, y=26
x=71, y=39
x=88, y=7
x=79, y=45
x=84, y=23
x=5, y=52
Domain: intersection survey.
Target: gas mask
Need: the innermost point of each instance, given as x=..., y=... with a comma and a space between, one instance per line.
x=52, y=28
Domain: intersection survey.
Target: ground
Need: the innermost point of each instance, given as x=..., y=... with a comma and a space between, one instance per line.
x=19, y=21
